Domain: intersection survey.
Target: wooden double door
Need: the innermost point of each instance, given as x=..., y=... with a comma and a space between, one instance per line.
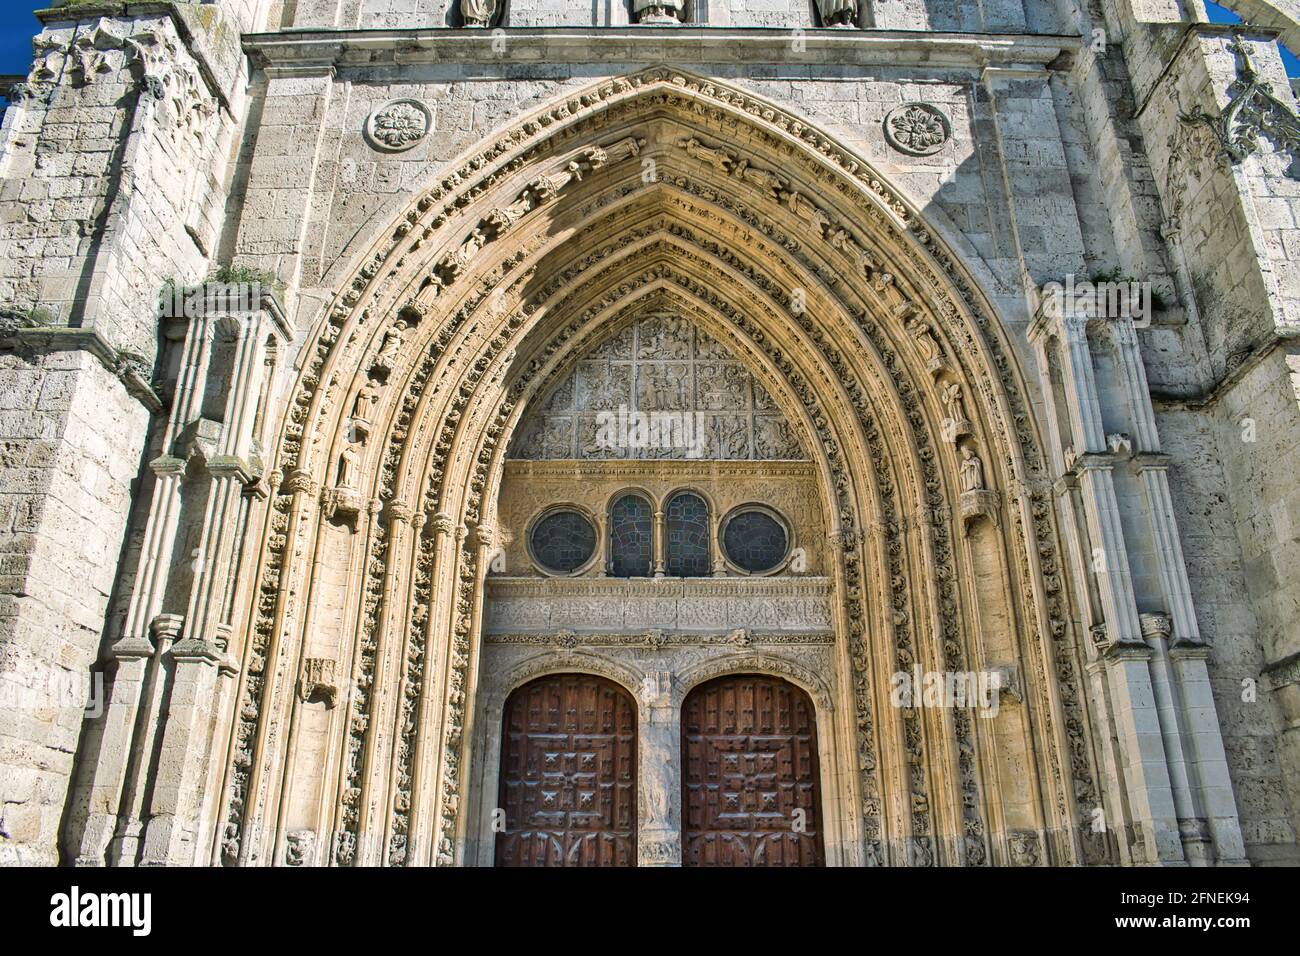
x=749, y=774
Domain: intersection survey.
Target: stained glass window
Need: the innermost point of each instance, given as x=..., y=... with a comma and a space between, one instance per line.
x=631, y=537
x=755, y=541
x=563, y=541
x=688, y=536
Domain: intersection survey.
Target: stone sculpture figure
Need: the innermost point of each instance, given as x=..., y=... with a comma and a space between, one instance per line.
x=478, y=13
x=659, y=11
x=391, y=346
x=972, y=470
x=838, y=13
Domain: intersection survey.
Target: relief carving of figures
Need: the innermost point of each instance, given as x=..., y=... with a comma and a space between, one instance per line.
x=717, y=158
x=838, y=13
x=758, y=177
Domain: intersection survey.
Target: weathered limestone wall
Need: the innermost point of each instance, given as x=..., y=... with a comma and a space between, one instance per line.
x=111, y=183
x=72, y=445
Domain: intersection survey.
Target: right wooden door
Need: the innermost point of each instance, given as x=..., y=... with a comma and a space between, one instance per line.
x=750, y=787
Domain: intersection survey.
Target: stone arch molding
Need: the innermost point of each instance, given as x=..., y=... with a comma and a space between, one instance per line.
x=802, y=677
x=651, y=191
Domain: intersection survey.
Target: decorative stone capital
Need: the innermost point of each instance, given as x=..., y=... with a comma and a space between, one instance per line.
x=1156, y=626
x=166, y=628
x=300, y=481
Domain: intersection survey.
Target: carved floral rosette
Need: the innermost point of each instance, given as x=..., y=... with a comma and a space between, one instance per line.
x=917, y=129
x=398, y=125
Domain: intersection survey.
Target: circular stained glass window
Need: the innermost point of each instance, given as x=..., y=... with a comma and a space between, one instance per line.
x=755, y=541
x=563, y=541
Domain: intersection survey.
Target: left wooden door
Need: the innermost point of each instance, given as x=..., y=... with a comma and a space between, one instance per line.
x=568, y=774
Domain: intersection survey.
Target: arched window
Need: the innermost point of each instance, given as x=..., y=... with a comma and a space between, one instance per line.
x=631, y=537
x=688, y=536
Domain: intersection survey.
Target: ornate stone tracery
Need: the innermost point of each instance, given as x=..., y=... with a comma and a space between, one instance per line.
x=458, y=384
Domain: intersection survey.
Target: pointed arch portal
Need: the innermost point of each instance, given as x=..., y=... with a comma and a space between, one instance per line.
x=658, y=192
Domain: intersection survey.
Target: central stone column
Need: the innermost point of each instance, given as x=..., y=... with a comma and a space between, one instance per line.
x=659, y=840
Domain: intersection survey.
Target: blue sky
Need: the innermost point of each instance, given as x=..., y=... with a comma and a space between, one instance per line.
x=18, y=26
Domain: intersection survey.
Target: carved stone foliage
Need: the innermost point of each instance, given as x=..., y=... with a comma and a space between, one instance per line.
x=831, y=365
x=917, y=129
x=659, y=388
x=398, y=125
x=1252, y=111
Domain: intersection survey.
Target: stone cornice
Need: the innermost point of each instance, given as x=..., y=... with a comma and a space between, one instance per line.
x=64, y=339
x=652, y=45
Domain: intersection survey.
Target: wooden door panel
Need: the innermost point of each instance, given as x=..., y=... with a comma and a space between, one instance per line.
x=568, y=774
x=750, y=749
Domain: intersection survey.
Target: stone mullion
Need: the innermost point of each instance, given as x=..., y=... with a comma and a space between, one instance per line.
x=422, y=827
x=659, y=773
x=659, y=541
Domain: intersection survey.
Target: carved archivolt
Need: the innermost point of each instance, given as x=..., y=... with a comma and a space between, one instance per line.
x=817, y=688
x=496, y=297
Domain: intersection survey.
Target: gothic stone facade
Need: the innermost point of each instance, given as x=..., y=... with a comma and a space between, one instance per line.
x=298, y=541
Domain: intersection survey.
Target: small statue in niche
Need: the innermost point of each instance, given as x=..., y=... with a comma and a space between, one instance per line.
x=972, y=470
x=659, y=12
x=365, y=403
x=955, y=404
x=392, y=344
x=479, y=13
x=347, y=468
x=838, y=13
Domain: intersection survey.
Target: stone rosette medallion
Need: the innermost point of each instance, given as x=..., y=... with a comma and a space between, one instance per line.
x=917, y=129
x=398, y=125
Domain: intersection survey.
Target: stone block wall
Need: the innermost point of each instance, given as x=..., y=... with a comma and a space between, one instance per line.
x=71, y=452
